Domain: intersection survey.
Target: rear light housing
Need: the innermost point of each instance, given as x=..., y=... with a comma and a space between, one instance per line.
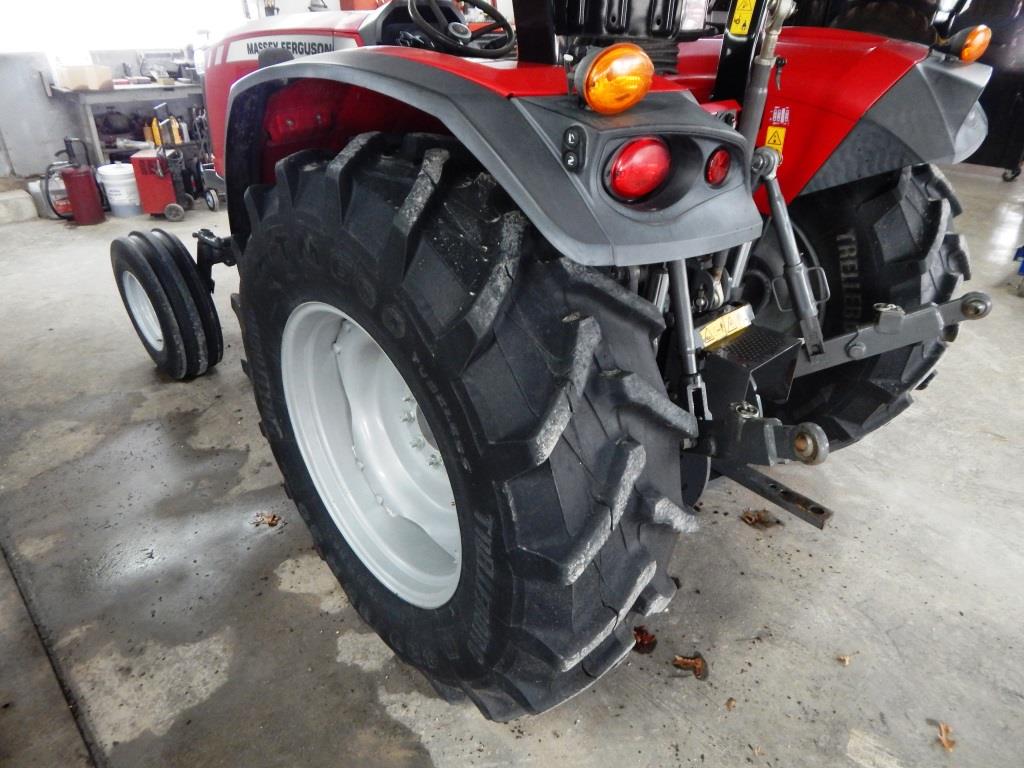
x=638, y=169
x=716, y=170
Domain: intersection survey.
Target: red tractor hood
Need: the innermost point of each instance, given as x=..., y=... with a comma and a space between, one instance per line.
x=830, y=80
x=327, y=22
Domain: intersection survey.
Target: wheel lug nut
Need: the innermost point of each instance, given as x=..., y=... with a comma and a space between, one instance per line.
x=417, y=443
x=434, y=460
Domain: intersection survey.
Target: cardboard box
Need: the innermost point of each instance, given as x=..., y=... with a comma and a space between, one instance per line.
x=84, y=78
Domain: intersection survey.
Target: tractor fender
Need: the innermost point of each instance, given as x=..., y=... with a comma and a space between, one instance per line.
x=846, y=105
x=523, y=142
x=931, y=115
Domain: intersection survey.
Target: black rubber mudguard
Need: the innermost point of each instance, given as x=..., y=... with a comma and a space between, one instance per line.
x=523, y=144
x=931, y=115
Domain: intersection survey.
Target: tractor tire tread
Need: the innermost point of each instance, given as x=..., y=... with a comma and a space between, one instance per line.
x=853, y=400
x=573, y=429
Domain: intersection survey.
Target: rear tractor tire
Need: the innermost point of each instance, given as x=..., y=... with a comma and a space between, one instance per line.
x=474, y=429
x=883, y=240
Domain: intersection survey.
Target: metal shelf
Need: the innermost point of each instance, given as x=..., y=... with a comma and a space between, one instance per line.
x=122, y=94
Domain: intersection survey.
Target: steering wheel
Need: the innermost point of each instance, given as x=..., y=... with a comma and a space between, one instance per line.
x=457, y=38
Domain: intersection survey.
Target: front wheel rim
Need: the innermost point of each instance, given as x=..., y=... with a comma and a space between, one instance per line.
x=142, y=311
x=370, y=454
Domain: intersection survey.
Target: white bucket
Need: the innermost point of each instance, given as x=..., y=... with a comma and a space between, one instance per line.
x=118, y=182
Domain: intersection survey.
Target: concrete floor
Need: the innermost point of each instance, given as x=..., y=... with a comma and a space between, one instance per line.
x=185, y=635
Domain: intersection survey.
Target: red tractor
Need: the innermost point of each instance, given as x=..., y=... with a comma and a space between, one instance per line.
x=509, y=296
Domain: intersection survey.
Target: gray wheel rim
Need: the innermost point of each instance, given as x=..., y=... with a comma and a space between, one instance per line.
x=142, y=311
x=370, y=454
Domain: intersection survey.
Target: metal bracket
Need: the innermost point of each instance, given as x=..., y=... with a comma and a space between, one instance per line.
x=697, y=399
x=894, y=328
x=777, y=493
x=819, y=289
x=742, y=435
x=739, y=48
x=212, y=250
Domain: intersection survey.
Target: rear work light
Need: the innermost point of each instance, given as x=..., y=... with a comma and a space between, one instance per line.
x=717, y=169
x=615, y=78
x=639, y=168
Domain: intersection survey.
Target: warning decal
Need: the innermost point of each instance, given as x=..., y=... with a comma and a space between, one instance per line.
x=776, y=138
x=741, y=18
x=780, y=116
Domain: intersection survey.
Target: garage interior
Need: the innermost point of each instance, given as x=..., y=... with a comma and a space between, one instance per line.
x=162, y=602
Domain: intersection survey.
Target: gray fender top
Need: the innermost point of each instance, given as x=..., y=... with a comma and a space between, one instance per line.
x=519, y=141
x=931, y=115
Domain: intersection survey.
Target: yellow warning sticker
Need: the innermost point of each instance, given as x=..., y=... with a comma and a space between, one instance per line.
x=726, y=325
x=776, y=138
x=741, y=18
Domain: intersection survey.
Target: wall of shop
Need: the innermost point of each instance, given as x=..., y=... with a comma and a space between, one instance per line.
x=32, y=125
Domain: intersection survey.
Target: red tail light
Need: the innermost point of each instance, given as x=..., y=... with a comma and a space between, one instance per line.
x=639, y=168
x=717, y=169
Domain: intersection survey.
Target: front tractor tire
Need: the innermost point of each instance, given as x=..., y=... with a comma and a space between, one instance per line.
x=168, y=303
x=401, y=317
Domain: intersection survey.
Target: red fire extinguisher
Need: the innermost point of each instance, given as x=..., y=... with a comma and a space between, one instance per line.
x=82, y=190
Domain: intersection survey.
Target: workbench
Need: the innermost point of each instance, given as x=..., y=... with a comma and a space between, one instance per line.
x=150, y=94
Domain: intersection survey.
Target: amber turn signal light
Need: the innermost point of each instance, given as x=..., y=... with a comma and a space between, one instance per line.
x=968, y=44
x=976, y=43
x=615, y=79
